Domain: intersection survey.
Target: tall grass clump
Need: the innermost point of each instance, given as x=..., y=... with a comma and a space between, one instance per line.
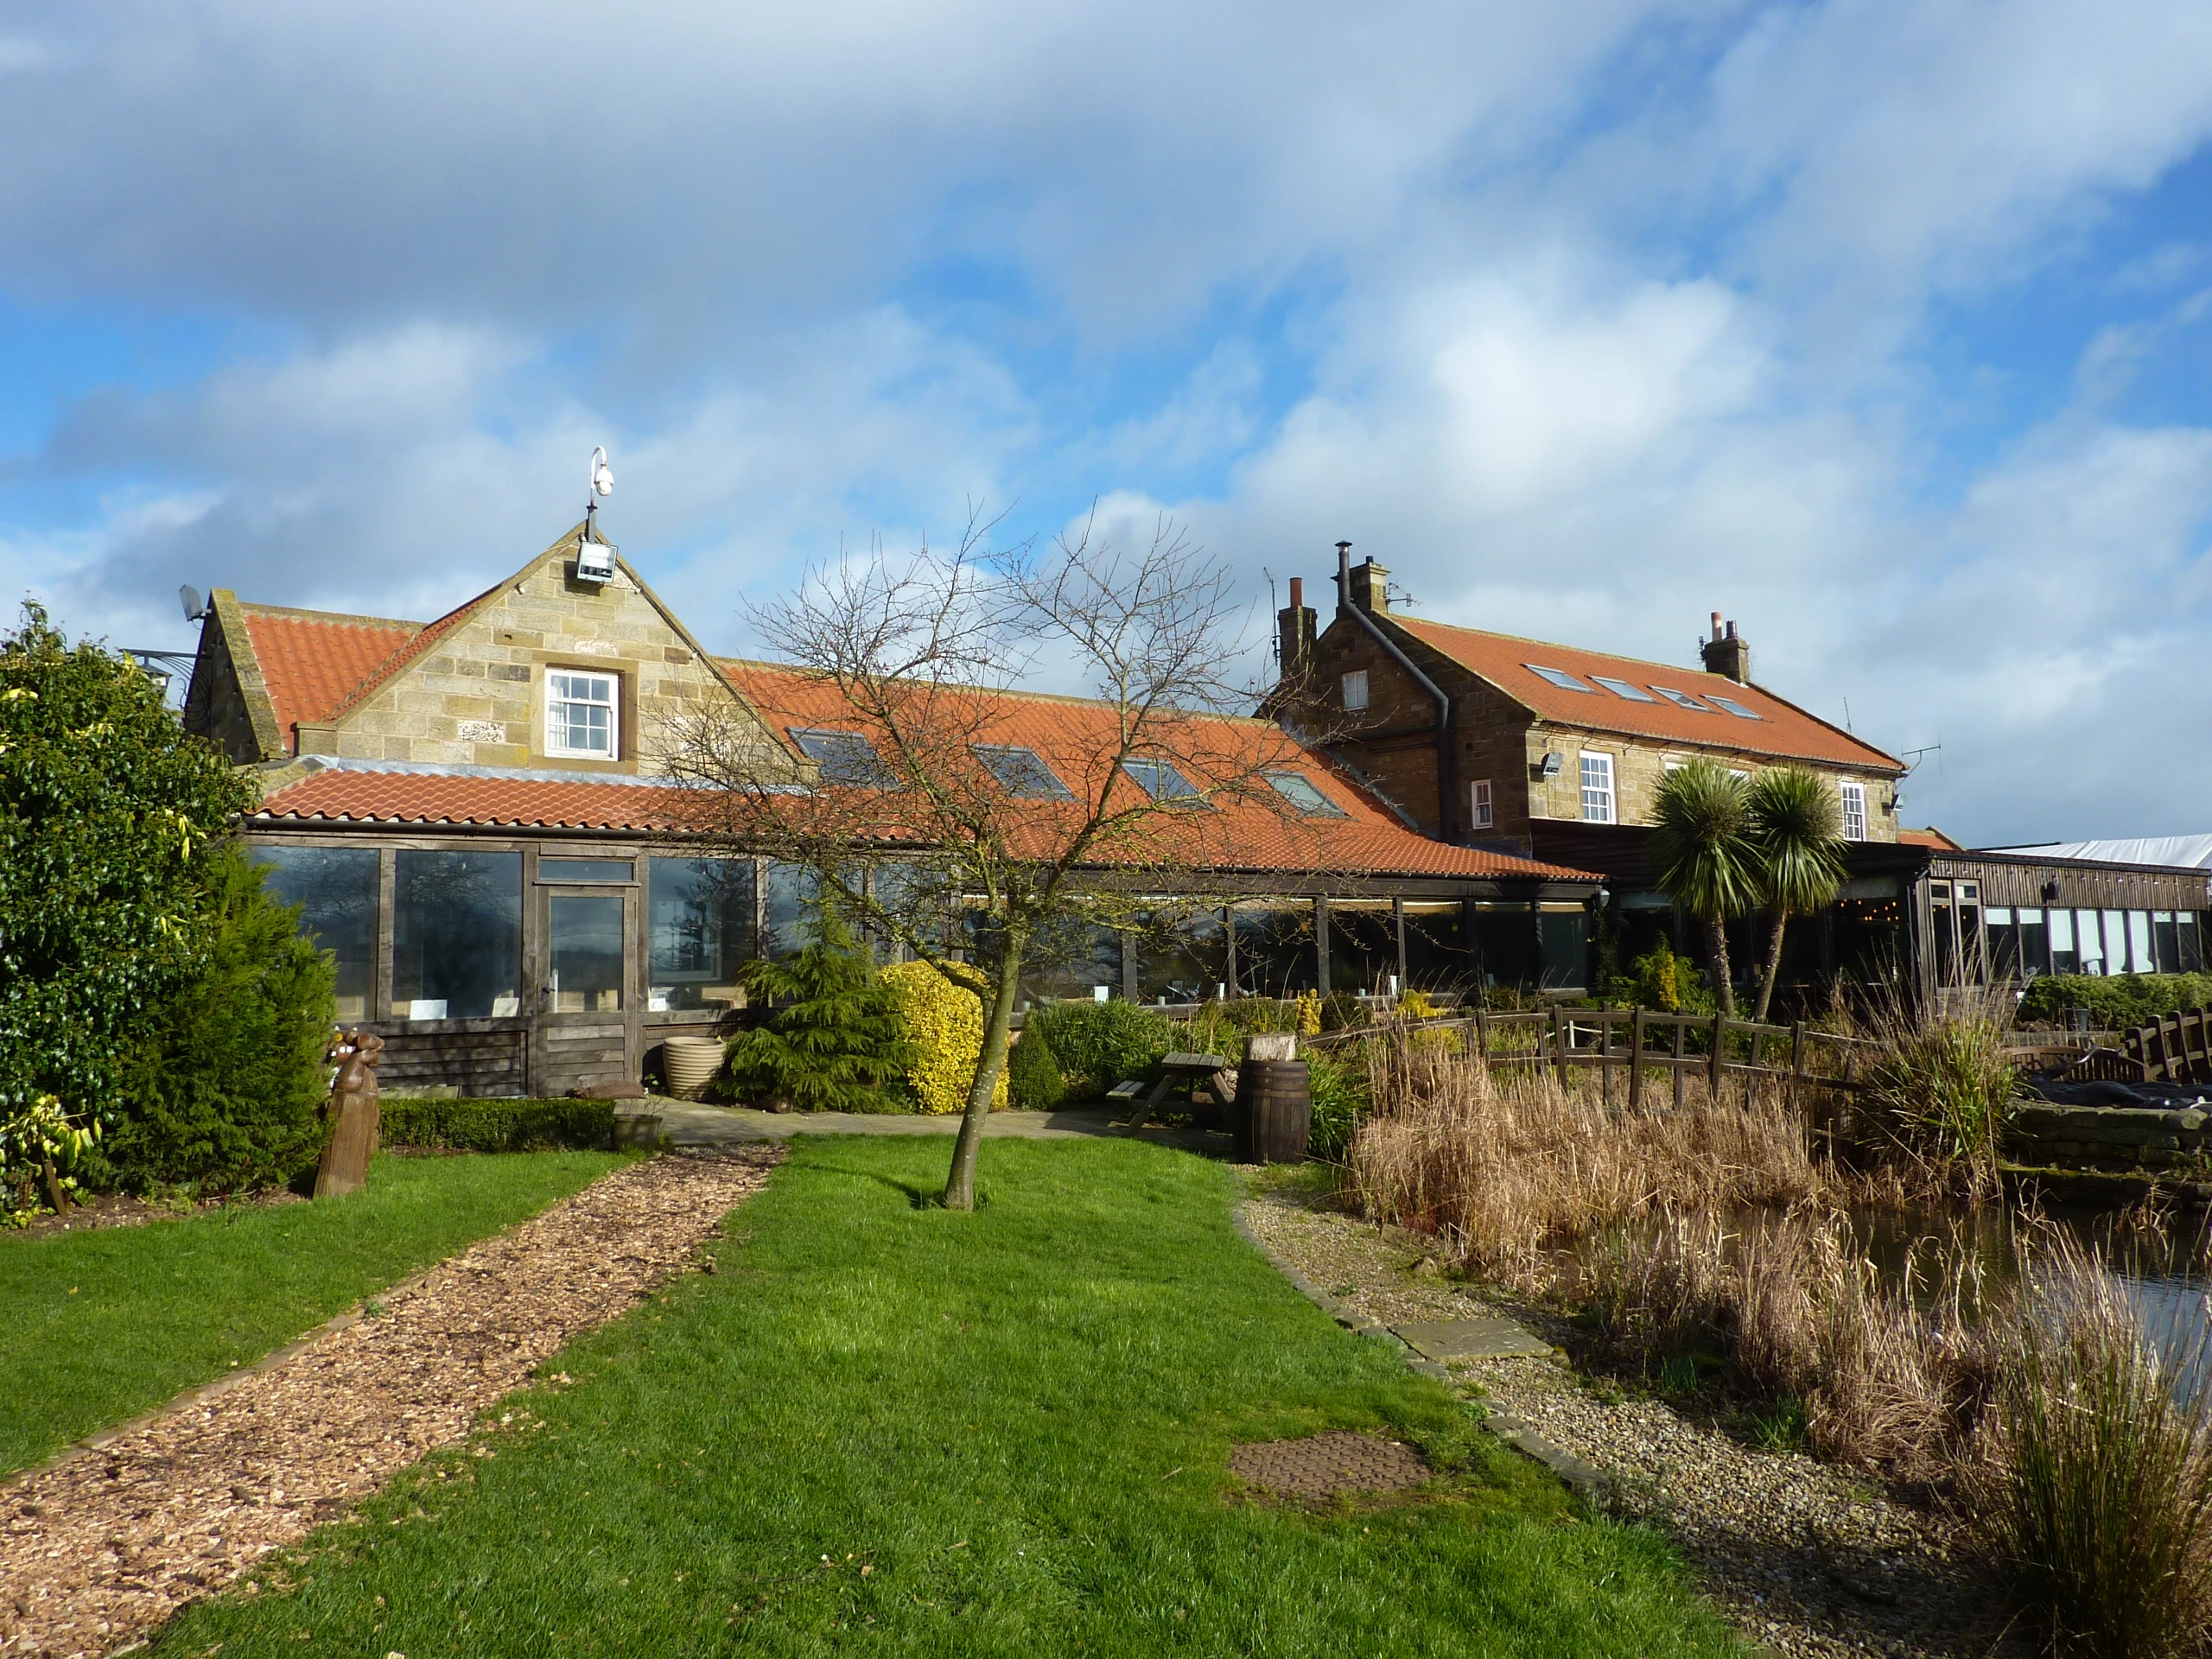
x=1506, y=1167
x=2093, y=1483
x=1942, y=1088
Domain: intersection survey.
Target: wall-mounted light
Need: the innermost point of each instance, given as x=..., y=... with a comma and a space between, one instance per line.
x=1554, y=761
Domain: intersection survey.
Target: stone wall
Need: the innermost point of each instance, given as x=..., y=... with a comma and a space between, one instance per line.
x=476, y=696
x=2050, y=1135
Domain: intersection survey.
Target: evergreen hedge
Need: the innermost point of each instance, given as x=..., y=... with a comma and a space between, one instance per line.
x=2116, y=1003
x=222, y=1093
x=1033, y=1072
x=1099, y=1044
x=498, y=1125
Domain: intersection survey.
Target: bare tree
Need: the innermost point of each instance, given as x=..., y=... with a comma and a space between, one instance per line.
x=976, y=824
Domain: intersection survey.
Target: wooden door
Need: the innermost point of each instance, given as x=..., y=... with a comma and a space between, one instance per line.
x=590, y=985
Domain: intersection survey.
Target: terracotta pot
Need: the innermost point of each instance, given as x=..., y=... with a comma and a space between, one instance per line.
x=691, y=1063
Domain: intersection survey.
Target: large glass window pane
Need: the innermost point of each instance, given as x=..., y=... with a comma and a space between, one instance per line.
x=1362, y=945
x=699, y=929
x=1942, y=930
x=788, y=904
x=2004, y=942
x=2035, y=945
x=1074, y=958
x=2165, y=942
x=1969, y=894
x=2140, y=959
x=2115, y=942
x=2065, y=952
x=456, y=938
x=1436, y=948
x=1274, y=948
x=586, y=942
x=335, y=888
x=1181, y=956
x=2190, y=943
x=1502, y=935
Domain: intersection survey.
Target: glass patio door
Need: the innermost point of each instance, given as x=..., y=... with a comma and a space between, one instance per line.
x=589, y=983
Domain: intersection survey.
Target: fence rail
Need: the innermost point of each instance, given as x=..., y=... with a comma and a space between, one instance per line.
x=2175, y=1048
x=1638, y=1040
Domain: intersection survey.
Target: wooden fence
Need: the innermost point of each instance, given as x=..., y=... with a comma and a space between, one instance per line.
x=2177, y=1048
x=1636, y=1042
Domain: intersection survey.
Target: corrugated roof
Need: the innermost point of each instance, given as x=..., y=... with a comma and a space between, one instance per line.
x=313, y=661
x=1071, y=735
x=1781, y=729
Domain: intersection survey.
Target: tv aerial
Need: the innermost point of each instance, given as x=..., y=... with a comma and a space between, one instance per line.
x=596, y=559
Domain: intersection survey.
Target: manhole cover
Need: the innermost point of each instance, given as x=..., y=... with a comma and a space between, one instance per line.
x=1324, y=1464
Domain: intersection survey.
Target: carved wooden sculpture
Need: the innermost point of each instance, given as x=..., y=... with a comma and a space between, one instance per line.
x=352, y=1112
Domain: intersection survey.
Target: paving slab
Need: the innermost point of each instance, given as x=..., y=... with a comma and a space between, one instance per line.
x=1488, y=1335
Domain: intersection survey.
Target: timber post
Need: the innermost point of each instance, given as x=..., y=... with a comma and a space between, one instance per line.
x=1719, y=1039
x=1635, y=1060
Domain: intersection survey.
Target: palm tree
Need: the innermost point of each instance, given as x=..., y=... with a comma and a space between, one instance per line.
x=1797, y=826
x=1708, y=863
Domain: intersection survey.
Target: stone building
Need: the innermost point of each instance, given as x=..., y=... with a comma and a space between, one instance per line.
x=475, y=817
x=1556, y=752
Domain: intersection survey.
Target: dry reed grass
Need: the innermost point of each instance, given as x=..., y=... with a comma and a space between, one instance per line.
x=1507, y=1169
x=2092, y=1474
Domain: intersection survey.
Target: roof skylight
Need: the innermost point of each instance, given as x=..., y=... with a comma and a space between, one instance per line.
x=1680, y=699
x=1163, y=782
x=844, y=758
x=1022, y=773
x=1303, y=793
x=1623, y=689
x=1733, y=707
x=1560, y=677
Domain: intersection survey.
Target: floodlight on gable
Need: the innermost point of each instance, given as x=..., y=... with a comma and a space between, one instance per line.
x=594, y=561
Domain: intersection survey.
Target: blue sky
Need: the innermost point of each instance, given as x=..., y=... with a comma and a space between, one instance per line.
x=1883, y=328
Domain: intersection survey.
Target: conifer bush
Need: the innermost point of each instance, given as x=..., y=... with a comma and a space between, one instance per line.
x=836, y=1042
x=1032, y=1071
x=222, y=1095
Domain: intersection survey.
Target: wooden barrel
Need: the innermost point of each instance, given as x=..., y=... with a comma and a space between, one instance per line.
x=1274, y=1111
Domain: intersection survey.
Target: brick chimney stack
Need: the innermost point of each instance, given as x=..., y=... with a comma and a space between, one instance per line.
x=1370, y=588
x=1294, y=632
x=1727, y=655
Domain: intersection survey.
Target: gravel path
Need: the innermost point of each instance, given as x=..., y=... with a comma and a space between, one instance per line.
x=1807, y=1559
x=102, y=1546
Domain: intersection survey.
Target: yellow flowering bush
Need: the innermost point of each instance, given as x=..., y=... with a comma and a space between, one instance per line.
x=1308, y=1014
x=944, y=1024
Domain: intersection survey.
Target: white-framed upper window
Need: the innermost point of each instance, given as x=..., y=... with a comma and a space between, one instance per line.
x=1597, y=787
x=1854, y=809
x=583, y=715
x=1482, y=807
x=1354, y=688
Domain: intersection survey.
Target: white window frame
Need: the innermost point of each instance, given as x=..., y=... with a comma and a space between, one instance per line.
x=1482, y=805
x=1852, y=796
x=1355, y=691
x=557, y=724
x=1605, y=809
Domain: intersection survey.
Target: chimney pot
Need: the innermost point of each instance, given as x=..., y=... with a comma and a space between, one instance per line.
x=1731, y=630
x=1716, y=625
x=1298, y=593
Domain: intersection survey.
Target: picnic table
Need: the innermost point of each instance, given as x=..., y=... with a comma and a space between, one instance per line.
x=1185, y=1075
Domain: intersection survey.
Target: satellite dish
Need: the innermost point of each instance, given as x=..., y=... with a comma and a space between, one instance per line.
x=602, y=476
x=188, y=596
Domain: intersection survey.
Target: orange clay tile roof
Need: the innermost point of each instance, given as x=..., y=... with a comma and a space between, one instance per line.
x=483, y=800
x=1072, y=735
x=312, y=661
x=1931, y=836
x=1783, y=729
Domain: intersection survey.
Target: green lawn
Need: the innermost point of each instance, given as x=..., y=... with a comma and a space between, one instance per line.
x=96, y=1327
x=881, y=1427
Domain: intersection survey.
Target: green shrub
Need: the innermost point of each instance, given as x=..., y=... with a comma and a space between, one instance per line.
x=834, y=1042
x=1340, y=1100
x=1664, y=981
x=222, y=1095
x=498, y=1125
x=1099, y=1044
x=2118, y=1003
x=1343, y=1010
x=943, y=1026
x=110, y=818
x=1033, y=1073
